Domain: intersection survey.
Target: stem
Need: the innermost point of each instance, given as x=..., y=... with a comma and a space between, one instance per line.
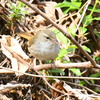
x=90, y=13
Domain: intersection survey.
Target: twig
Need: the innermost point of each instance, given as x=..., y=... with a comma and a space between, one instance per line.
x=59, y=97
x=42, y=89
x=84, y=11
x=41, y=76
x=58, y=65
x=92, y=85
x=46, y=96
x=94, y=37
x=65, y=65
x=4, y=97
x=9, y=86
x=82, y=87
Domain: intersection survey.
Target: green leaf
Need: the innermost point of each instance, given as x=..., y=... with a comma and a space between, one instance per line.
x=96, y=18
x=96, y=58
x=40, y=72
x=11, y=6
x=95, y=75
x=65, y=4
x=73, y=31
x=19, y=6
x=75, y=71
x=99, y=2
x=81, y=83
x=86, y=48
x=83, y=30
x=97, y=34
x=92, y=81
x=68, y=30
x=73, y=0
x=95, y=10
x=78, y=4
x=96, y=90
x=71, y=5
x=19, y=15
x=11, y=15
x=62, y=52
x=24, y=12
x=65, y=10
x=61, y=36
x=59, y=71
x=86, y=18
x=72, y=46
x=70, y=49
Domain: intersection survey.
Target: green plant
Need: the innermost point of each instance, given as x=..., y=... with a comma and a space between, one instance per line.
x=52, y=72
x=89, y=18
x=56, y=72
x=16, y=10
x=73, y=5
x=81, y=83
x=75, y=71
x=95, y=75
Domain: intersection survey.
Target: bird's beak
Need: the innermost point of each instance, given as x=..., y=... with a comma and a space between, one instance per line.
x=54, y=41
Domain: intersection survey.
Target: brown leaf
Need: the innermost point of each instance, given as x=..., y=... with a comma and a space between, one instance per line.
x=57, y=86
x=15, y=47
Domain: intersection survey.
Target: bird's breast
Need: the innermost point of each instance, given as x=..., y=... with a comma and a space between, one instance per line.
x=44, y=50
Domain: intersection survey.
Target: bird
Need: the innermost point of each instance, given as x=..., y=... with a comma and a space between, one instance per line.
x=43, y=45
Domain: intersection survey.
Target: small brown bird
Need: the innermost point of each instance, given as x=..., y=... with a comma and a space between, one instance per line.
x=43, y=46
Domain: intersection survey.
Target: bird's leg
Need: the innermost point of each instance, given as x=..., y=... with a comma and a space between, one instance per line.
x=53, y=63
x=40, y=61
x=33, y=62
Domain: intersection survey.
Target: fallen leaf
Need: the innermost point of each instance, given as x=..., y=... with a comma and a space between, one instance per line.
x=13, y=45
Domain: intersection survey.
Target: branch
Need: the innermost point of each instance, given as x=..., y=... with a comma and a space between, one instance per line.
x=57, y=65
x=64, y=65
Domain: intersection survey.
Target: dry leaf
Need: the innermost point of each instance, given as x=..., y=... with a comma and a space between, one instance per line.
x=57, y=86
x=14, y=46
x=76, y=92
x=51, y=11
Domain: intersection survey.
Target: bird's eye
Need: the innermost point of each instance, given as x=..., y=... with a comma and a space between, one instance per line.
x=48, y=38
